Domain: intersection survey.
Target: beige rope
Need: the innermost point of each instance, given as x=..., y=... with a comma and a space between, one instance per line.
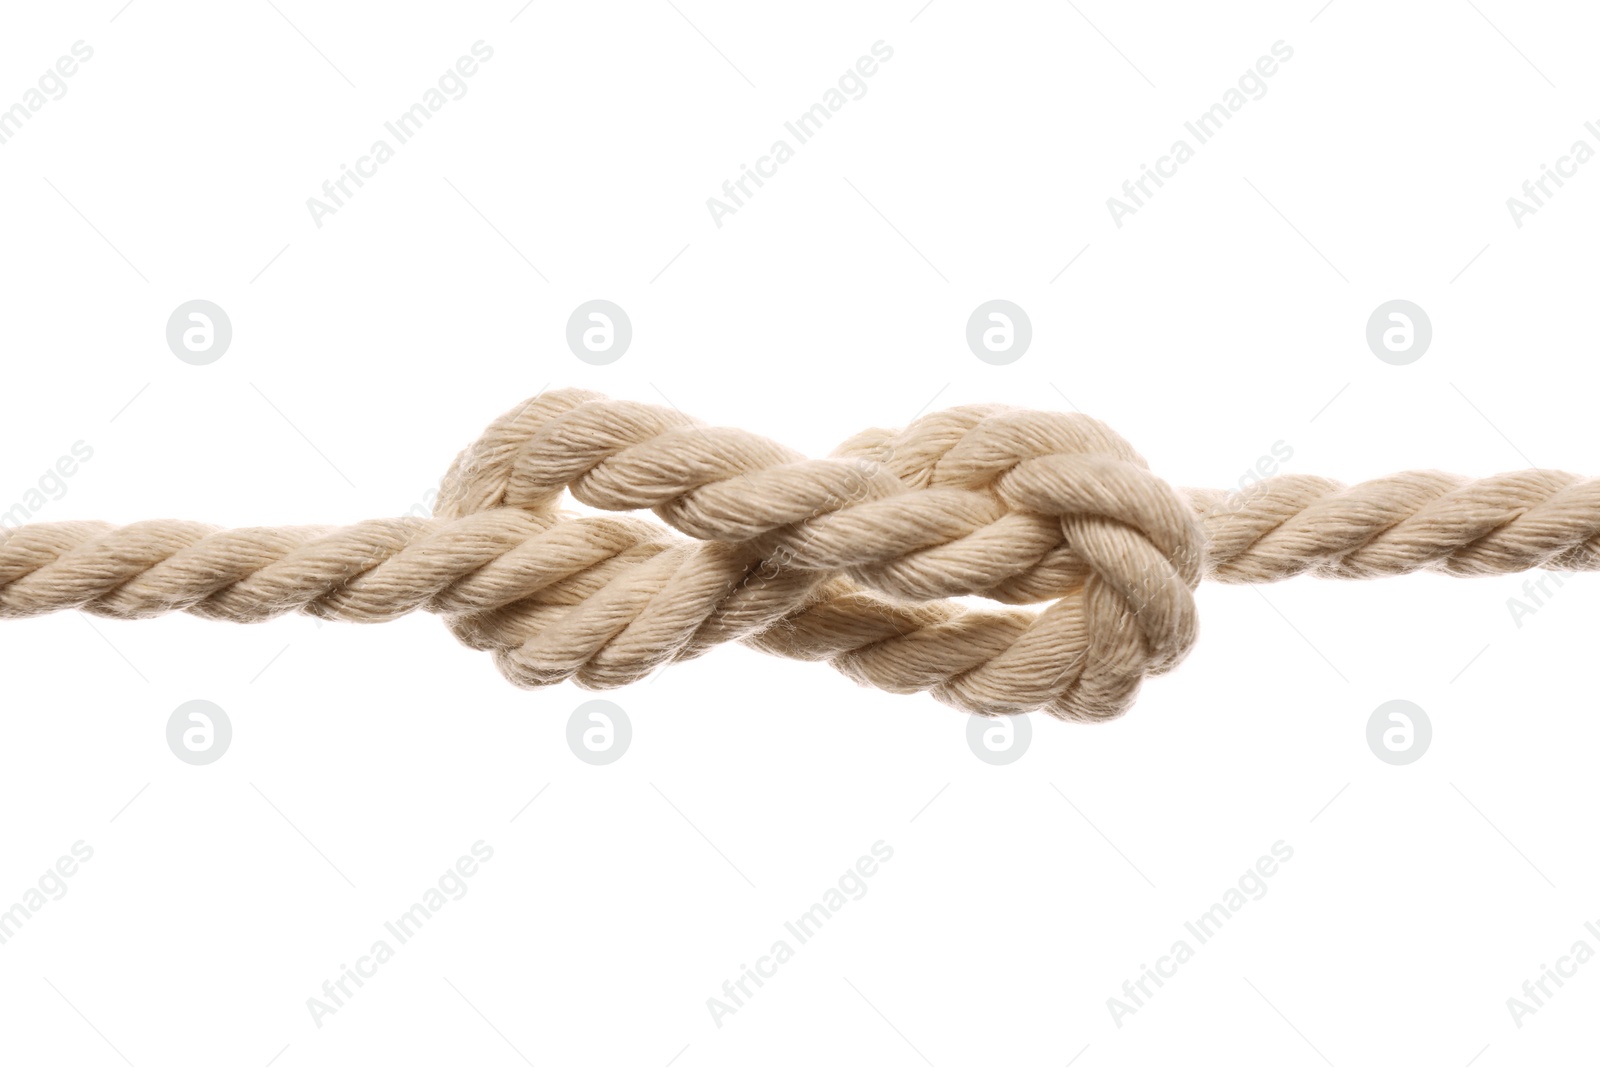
x=850, y=559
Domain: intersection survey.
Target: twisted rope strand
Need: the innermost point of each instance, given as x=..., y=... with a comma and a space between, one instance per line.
x=850, y=559
x=1418, y=520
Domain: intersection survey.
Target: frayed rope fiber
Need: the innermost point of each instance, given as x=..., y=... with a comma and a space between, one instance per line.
x=850, y=559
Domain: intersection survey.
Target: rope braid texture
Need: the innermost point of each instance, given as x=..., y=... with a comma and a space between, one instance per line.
x=851, y=559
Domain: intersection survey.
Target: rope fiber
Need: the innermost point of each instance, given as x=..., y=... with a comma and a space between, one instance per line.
x=851, y=559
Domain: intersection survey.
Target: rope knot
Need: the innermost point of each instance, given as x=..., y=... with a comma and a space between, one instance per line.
x=870, y=559
x=851, y=559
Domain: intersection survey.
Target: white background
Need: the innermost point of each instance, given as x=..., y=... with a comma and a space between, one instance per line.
x=1224, y=317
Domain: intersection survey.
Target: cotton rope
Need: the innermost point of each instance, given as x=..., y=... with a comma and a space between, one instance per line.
x=851, y=559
